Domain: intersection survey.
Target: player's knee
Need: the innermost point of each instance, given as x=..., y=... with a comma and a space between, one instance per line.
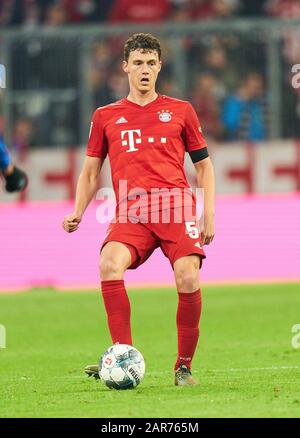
x=187, y=280
x=111, y=268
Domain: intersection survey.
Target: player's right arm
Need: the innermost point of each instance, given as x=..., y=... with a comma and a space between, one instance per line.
x=88, y=182
x=87, y=186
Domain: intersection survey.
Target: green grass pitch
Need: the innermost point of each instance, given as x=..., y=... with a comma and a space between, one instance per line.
x=245, y=363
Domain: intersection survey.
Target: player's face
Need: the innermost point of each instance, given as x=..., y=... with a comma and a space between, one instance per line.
x=142, y=69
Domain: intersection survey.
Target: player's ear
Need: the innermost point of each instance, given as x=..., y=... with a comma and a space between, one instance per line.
x=160, y=64
x=125, y=66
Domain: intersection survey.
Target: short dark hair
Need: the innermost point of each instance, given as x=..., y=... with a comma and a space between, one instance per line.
x=143, y=41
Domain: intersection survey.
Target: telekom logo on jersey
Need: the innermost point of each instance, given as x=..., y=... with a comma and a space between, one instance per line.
x=132, y=137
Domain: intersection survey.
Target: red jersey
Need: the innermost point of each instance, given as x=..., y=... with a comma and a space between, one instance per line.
x=146, y=144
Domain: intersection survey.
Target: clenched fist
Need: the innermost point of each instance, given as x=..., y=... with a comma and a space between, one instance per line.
x=71, y=222
x=208, y=232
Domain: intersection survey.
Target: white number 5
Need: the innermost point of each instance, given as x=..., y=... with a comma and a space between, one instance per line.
x=192, y=230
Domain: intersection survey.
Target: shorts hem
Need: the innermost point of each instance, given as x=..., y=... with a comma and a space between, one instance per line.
x=135, y=257
x=201, y=256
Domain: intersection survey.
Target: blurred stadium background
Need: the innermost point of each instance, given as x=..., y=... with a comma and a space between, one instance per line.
x=233, y=59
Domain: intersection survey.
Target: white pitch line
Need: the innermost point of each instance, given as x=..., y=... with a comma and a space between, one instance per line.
x=273, y=368
x=158, y=373
x=217, y=370
x=225, y=370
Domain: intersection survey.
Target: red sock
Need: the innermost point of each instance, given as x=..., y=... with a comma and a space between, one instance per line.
x=117, y=307
x=188, y=317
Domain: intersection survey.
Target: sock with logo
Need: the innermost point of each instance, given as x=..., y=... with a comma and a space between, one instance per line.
x=187, y=319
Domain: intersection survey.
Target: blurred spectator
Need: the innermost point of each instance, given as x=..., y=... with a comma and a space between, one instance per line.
x=57, y=12
x=181, y=11
x=290, y=109
x=168, y=86
x=225, y=8
x=214, y=58
x=291, y=50
x=118, y=85
x=27, y=12
x=7, y=8
x=87, y=10
x=201, y=9
x=216, y=61
x=101, y=59
x=252, y=8
x=287, y=9
x=56, y=15
x=22, y=134
x=1, y=125
x=140, y=11
x=16, y=12
x=283, y=8
x=98, y=73
x=244, y=113
x=207, y=106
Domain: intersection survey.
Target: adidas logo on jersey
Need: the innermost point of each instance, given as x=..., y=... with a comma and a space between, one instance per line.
x=121, y=120
x=198, y=244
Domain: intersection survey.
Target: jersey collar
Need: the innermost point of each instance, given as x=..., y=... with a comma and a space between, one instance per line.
x=136, y=105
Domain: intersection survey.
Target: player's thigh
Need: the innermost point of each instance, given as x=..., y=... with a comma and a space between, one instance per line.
x=136, y=236
x=181, y=245
x=186, y=272
x=114, y=257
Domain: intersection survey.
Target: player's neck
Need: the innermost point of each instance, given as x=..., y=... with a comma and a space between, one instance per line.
x=142, y=99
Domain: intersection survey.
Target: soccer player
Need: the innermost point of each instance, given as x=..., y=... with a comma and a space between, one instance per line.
x=15, y=179
x=146, y=136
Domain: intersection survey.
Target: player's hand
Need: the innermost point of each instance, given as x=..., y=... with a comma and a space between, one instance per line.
x=71, y=222
x=16, y=179
x=208, y=232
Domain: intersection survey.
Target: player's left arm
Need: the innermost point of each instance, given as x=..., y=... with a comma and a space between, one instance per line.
x=196, y=146
x=206, y=180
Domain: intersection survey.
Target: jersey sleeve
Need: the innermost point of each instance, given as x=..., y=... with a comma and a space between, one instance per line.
x=192, y=132
x=97, y=144
x=5, y=159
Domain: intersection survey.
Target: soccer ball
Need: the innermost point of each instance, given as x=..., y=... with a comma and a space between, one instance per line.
x=121, y=367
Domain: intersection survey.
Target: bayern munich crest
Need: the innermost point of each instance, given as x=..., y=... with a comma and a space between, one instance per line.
x=164, y=115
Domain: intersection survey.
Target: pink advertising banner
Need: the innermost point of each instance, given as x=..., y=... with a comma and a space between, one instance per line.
x=257, y=240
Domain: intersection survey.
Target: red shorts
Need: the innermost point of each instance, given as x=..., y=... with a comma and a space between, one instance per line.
x=176, y=240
